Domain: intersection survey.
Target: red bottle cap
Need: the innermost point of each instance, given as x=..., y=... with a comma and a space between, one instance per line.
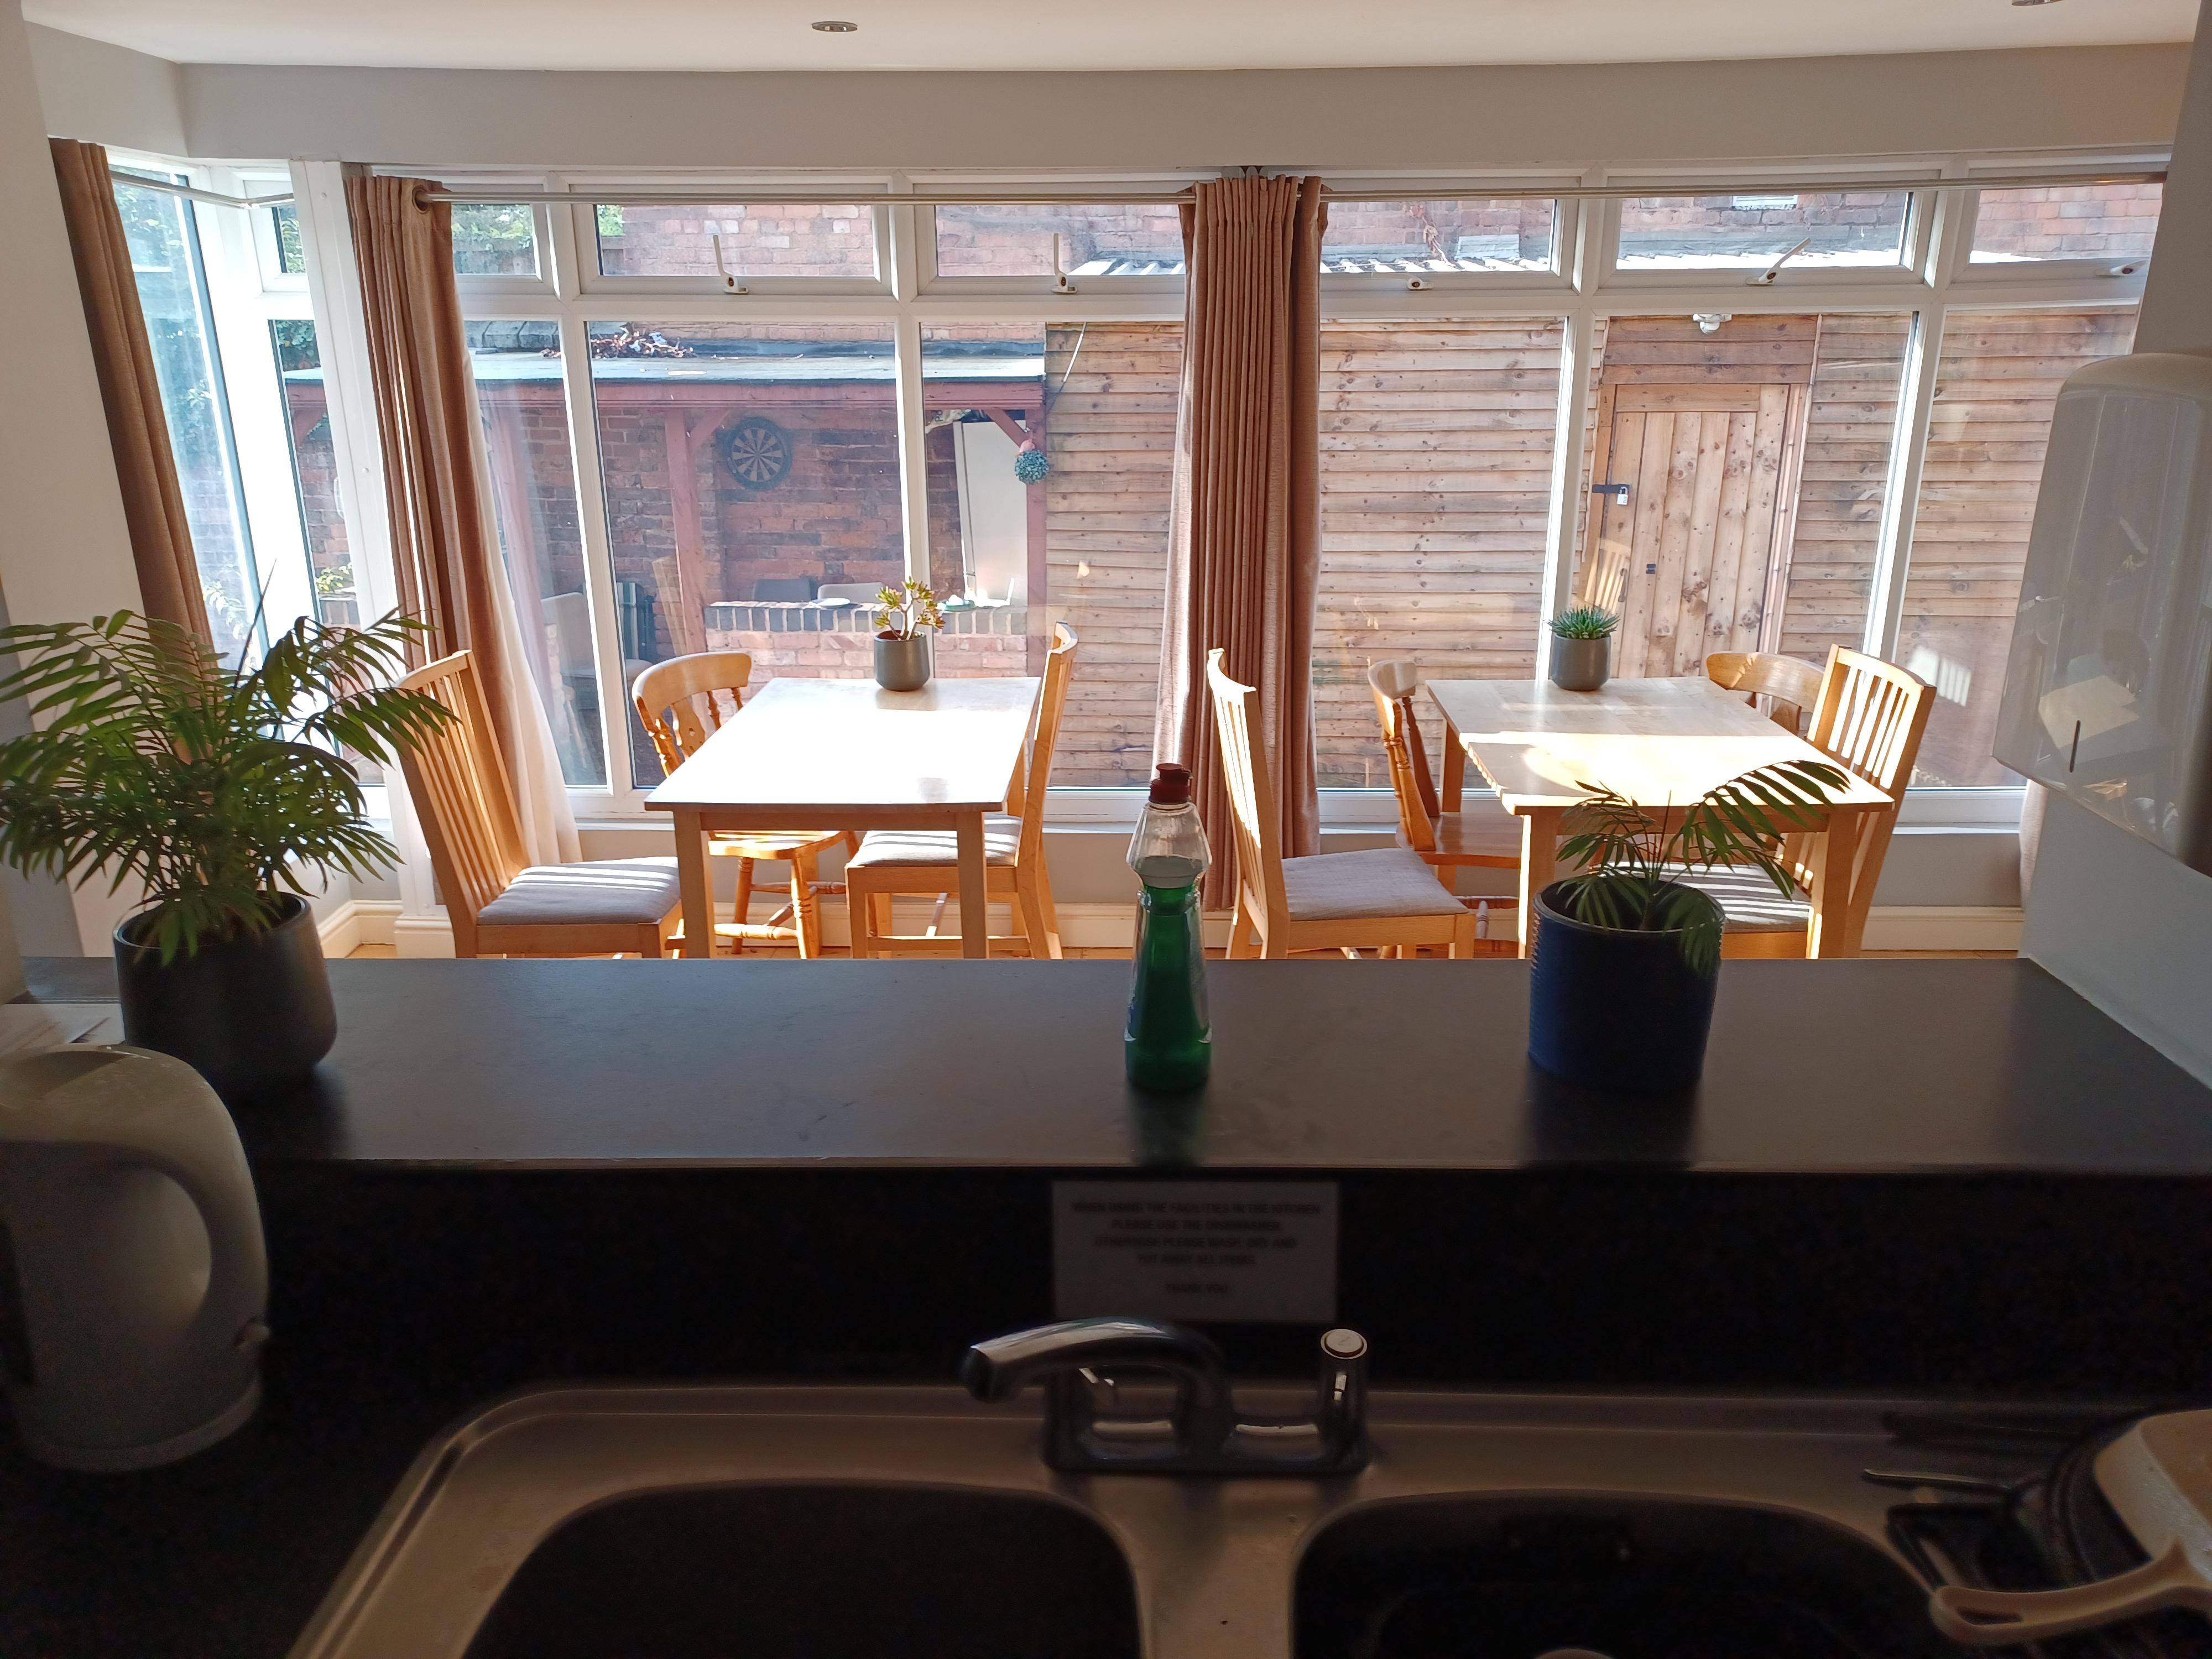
x=1170, y=784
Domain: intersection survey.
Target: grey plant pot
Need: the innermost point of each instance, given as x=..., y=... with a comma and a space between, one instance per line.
x=902, y=664
x=1580, y=665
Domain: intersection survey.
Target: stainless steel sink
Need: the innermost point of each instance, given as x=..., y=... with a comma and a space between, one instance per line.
x=618, y=1523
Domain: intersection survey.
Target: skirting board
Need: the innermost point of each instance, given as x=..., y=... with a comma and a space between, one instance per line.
x=1113, y=926
x=361, y=921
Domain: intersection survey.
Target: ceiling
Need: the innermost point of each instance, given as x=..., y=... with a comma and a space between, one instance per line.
x=1082, y=34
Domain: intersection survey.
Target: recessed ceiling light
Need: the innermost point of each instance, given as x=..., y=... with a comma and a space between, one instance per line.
x=839, y=26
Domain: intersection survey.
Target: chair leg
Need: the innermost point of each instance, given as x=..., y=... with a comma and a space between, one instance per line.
x=1034, y=898
x=857, y=917
x=743, y=913
x=1238, y=948
x=1462, y=939
x=806, y=909
x=879, y=919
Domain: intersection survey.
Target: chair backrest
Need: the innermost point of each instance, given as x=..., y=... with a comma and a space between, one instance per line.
x=461, y=793
x=1791, y=687
x=1044, y=737
x=1869, y=718
x=680, y=700
x=1251, y=790
x=1394, y=684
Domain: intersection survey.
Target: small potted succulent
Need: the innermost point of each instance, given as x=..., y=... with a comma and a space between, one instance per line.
x=1628, y=954
x=1582, y=647
x=906, y=615
x=224, y=793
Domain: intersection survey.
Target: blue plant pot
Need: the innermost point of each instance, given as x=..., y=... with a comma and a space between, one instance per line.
x=1613, y=1009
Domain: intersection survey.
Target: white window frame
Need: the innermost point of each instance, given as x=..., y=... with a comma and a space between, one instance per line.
x=1920, y=212
x=1932, y=277
x=2011, y=276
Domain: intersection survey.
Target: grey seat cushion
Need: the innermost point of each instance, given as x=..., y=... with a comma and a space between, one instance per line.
x=1748, y=900
x=1001, y=836
x=609, y=891
x=1385, y=881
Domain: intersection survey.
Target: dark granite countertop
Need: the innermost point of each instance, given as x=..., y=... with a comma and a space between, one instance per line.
x=510, y=1171
x=1831, y=1066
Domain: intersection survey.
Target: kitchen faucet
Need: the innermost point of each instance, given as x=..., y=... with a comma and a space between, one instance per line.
x=1202, y=1433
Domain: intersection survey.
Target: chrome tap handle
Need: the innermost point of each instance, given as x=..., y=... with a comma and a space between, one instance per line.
x=1342, y=1395
x=1206, y=1437
x=998, y=1369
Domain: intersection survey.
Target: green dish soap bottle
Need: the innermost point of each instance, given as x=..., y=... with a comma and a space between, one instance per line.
x=1168, y=1046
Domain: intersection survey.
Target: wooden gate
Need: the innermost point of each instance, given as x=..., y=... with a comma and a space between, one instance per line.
x=1693, y=492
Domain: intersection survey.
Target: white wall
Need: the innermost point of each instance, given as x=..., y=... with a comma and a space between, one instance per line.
x=1522, y=116
x=2122, y=923
x=64, y=549
x=107, y=94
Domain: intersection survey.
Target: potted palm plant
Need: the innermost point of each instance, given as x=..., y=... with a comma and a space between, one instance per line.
x=905, y=616
x=1582, y=647
x=222, y=792
x=1628, y=954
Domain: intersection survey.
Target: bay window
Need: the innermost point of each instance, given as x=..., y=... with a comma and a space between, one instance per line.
x=723, y=425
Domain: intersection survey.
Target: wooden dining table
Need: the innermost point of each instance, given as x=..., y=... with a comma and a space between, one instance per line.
x=806, y=754
x=1659, y=743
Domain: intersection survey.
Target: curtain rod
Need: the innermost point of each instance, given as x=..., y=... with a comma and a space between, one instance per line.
x=213, y=199
x=720, y=194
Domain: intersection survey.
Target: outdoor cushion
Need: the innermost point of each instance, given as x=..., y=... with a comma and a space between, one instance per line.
x=1386, y=881
x=1748, y=899
x=611, y=891
x=935, y=847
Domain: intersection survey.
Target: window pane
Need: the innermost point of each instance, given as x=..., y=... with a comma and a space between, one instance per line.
x=495, y=239
x=747, y=468
x=1110, y=440
x=1436, y=456
x=291, y=252
x=1704, y=233
x=164, y=244
x=1142, y=238
x=1997, y=385
x=315, y=478
x=1466, y=234
x=2083, y=221
x=678, y=240
x=1736, y=480
x=533, y=492
x=314, y=468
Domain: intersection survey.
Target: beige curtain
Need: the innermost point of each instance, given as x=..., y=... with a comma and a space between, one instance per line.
x=445, y=541
x=1244, y=556
x=137, y=430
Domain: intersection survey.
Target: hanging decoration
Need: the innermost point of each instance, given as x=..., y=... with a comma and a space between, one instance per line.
x=1031, y=465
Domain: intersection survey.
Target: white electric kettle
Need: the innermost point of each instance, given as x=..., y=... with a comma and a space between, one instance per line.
x=133, y=1276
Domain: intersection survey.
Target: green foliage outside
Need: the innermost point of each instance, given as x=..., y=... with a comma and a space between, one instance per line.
x=220, y=789
x=495, y=239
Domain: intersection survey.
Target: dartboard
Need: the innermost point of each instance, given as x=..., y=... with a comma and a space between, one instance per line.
x=757, y=452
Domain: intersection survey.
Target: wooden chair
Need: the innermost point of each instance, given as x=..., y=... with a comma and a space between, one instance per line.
x=500, y=904
x=1789, y=686
x=927, y=861
x=1482, y=837
x=1868, y=717
x=679, y=702
x=1385, y=899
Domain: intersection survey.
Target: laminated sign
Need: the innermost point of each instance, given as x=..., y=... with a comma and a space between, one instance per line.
x=1256, y=1250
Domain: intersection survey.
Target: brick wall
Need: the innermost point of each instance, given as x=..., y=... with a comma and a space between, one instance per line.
x=2115, y=220
x=816, y=241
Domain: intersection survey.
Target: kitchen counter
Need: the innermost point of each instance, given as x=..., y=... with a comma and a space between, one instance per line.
x=1829, y=1068
x=1949, y=1177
